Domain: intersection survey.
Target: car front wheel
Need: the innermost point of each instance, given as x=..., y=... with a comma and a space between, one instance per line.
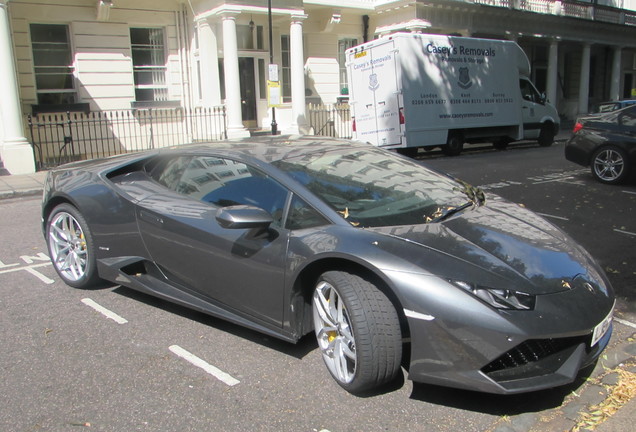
x=610, y=165
x=70, y=245
x=358, y=331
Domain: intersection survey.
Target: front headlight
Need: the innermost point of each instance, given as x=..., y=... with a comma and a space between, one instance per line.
x=498, y=298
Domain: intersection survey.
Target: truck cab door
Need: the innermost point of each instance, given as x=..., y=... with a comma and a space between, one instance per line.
x=532, y=108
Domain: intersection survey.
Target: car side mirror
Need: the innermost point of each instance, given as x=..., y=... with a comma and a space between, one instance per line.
x=243, y=217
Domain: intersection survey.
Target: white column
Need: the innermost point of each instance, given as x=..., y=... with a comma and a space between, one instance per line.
x=297, y=66
x=235, y=126
x=16, y=151
x=553, y=69
x=584, y=82
x=209, y=64
x=615, y=83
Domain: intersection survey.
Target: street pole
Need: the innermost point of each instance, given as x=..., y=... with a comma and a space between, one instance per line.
x=271, y=61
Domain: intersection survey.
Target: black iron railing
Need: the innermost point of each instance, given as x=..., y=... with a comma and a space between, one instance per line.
x=60, y=138
x=330, y=120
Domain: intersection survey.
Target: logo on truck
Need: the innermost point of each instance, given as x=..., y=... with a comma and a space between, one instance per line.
x=464, y=78
x=373, y=82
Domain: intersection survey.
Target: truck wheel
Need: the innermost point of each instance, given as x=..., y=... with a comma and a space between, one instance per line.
x=546, y=136
x=501, y=143
x=408, y=151
x=454, y=145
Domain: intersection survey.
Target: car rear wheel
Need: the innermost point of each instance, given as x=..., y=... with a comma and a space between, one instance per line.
x=70, y=245
x=610, y=165
x=358, y=331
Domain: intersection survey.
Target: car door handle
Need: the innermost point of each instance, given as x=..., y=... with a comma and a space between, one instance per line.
x=150, y=218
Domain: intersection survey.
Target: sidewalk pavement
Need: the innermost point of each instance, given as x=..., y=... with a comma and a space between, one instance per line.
x=14, y=186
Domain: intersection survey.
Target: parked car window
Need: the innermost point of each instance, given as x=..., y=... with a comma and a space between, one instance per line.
x=223, y=182
x=302, y=215
x=629, y=118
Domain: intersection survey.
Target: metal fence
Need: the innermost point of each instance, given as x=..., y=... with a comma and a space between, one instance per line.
x=66, y=137
x=330, y=120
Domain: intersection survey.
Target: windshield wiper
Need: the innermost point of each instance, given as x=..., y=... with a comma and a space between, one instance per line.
x=446, y=212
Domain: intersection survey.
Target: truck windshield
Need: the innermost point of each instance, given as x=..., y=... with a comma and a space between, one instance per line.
x=372, y=187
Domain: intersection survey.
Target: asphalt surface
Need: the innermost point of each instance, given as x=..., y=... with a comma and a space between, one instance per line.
x=67, y=366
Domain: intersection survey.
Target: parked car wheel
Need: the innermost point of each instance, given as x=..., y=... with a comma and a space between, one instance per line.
x=358, y=331
x=610, y=165
x=546, y=136
x=454, y=144
x=70, y=245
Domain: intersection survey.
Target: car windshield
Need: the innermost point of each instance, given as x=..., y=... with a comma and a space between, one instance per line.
x=372, y=187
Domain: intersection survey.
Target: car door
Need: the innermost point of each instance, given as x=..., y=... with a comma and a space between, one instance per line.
x=230, y=267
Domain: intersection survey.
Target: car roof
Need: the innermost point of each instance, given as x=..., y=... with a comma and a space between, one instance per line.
x=270, y=148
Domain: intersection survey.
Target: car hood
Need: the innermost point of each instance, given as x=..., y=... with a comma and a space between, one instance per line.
x=497, y=245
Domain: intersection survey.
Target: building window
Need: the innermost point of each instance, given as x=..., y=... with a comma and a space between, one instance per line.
x=343, y=45
x=149, y=64
x=53, y=64
x=286, y=69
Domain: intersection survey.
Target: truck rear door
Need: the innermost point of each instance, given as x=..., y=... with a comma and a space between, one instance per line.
x=374, y=87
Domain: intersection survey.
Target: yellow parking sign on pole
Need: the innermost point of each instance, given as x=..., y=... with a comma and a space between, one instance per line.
x=273, y=94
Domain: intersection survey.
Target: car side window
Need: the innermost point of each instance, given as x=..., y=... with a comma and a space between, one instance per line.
x=224, y=182
x=628, y=118
x=302, y=215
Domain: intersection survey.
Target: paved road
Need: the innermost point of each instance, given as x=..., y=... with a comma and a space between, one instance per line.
x=68, y=366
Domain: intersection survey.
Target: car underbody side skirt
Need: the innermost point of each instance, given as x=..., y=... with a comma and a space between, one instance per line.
x=142, y=275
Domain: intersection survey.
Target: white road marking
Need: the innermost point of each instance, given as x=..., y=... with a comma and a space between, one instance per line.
x=215, y=372
x=552, y=216
x=625, y=232
x=102, y=310
x=14, y=269
x=39, y=275
x=626, y=323
x=630, y=192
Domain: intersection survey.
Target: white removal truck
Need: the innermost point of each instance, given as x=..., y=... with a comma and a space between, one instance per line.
x=420, y=90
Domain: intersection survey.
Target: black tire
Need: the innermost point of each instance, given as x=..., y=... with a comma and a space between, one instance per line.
x=610, y=165
x=546, y=135
x=454, y=144
x=501, y=143
x=71, y=248
x=369, y=331
x=408, y=151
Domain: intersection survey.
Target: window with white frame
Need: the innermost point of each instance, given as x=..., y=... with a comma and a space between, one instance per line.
x=285, y=71
x=53, y=64
x=343, y=45
x=149, y=64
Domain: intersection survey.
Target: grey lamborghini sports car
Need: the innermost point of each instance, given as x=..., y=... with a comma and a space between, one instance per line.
x=388, y=262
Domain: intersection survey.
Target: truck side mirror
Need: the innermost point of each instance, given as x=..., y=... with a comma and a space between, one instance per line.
x=543, y=99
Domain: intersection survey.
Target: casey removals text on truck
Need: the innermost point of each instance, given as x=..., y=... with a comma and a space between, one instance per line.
x=418, y=90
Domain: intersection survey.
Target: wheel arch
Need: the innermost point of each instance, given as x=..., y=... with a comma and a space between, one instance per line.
x=53, y=202
x=307, y=279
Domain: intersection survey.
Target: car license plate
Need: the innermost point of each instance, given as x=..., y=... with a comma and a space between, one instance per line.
x=601, y=329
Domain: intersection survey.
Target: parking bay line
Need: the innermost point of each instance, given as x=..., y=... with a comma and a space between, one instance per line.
x=31, y=269
x=552, y=216
x=198, y=362
x=101, y=309
x=625, y=232
x=625, y=323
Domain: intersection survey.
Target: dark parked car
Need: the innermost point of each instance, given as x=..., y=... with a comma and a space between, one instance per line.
x=607, y=144
x=377, y=255
x=609, y=106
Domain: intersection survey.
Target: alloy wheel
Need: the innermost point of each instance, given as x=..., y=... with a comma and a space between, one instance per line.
x=67, y=244
x=334, y=333
x=609, y=165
